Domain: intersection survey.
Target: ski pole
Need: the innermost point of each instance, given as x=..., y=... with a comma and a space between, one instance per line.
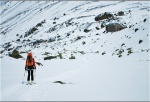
x=34, y=74
x=23, y=77
x=24, y=73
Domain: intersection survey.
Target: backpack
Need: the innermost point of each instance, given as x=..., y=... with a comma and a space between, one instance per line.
x=29, y=61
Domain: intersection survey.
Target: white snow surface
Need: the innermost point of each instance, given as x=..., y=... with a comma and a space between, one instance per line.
x=91, y=76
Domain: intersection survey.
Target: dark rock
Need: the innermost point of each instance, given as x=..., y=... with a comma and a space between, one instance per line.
x=52, y=39
x=15, y=54
x=82, y=52
x=79, y=37
x=7, y=45
x=103, y=53
x=122, y=44
x=10, y=49
x=121, y=13
x=60, y=82
x=104, y=16
x=129, y=51
x=54, y=22
x=55, y=18
x=32, y=30
x=60, y=55
x=39, y=25
x=97, y=28
x=102, y=25
x=58, y=36
x=18, y=40
x=129, y=11
x=86, y=30
x=2, y=51
x=50, y=57
x=113, y=27
x=38, y=41
x=20, y=36
x=83, y=42
x=120, y=56
x=144, y=20
x=68, y=34
x=72, y=57
x=140, y=41
x=130, y=26
x=136, y=29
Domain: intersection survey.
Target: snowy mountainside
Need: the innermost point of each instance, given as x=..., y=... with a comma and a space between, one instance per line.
x=60, y=27
x=92, y=63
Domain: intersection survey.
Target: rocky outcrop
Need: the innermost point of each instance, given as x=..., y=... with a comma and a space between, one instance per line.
x=15, y=54
x=103, y=16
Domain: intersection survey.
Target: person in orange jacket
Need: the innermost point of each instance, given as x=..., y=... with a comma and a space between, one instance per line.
x=30, y=66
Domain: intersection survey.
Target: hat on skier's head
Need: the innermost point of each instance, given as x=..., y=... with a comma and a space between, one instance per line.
x=30, y=54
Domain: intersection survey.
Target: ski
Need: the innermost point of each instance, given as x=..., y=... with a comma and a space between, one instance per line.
x=28, y=83
x=32, y=83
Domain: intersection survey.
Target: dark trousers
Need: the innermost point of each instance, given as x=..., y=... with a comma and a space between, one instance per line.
x=30, y=73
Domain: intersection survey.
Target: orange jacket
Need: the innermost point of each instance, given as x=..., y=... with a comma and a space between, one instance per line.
x=32, y=63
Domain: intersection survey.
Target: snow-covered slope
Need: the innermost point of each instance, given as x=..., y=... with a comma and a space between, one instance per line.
x=70, y=20
x=107, y=65
x=90, y=78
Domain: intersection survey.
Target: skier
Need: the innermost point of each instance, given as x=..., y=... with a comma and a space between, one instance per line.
x=30, y=66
